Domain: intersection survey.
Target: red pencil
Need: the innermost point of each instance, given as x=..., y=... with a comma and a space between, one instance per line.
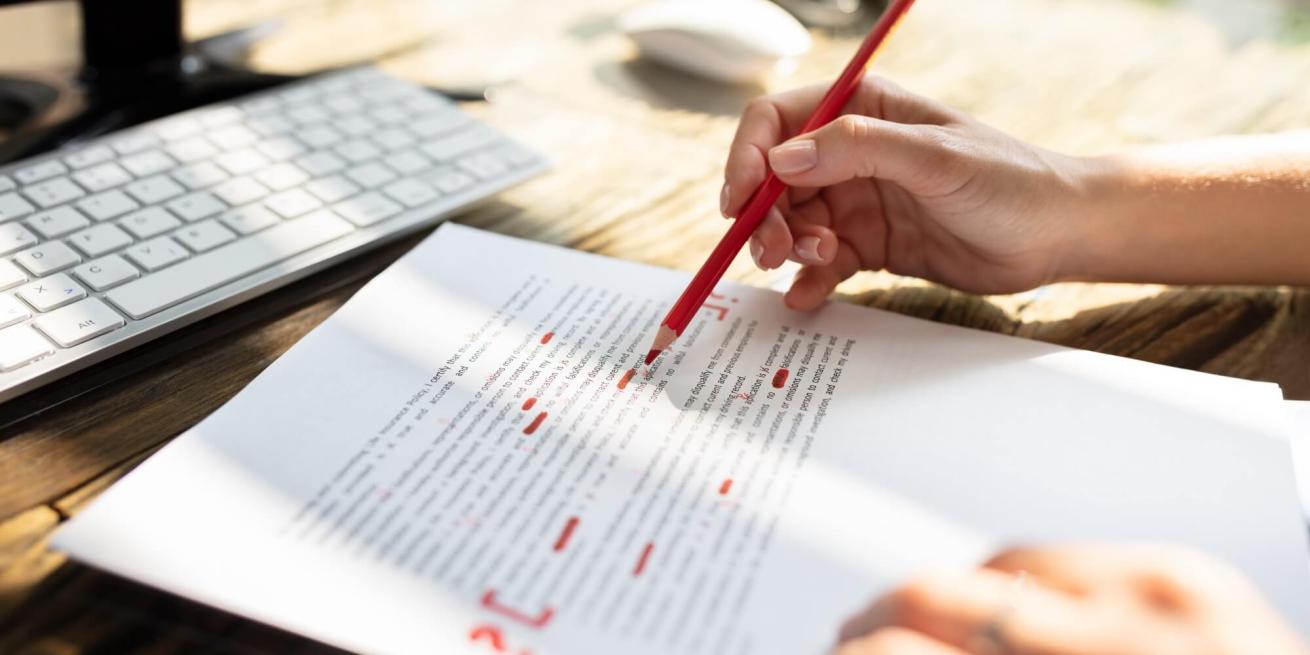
x=757, y=207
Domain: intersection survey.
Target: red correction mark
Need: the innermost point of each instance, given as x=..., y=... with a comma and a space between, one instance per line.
x=539, y=621
x=536, y=423
x=490, y=634
x=780, y=378
x=721, y=309
x=627, y=377
x=545, y=338
x=641, y=561
x=723, y=488
x=527, y=404
x=566, y=534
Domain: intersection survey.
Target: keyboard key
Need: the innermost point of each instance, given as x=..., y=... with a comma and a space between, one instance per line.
x=10, y=274
x=37, y=172
x=272, y=125
x=293, y=203
x=367, y=209
x=100, y=239
x=343, y=104
x=249, y=219
x=47, y=258
x=149, y=222
x=57, y=222
x=321, y=163
x=21, y=345
x=389, y=115
x=440, y=123
x=308, y=114
x=79, y=322
x=12, y=311
x=332, y=189
x=355, y=125
x=103, y=176
x=13, y=206
x=393, y=138
x=280, y=148
x=450, y=148
x=217, y=267
x=449, y=180
x=135, y=142
x=319, y=136
x=154, y=190
x=107, y=205
x=15, y=237
x=178, y=127
x=200, y=176
x=147, y=163
x=6, y=184
x=407, y=162
x=358, y=151
x=280, y=177
x=298, y=95
x=205, y=235
x=411, y=193
x=156, y=253
x=51, y=292
x=106, y=272
x=220, y=116
x=240, y=162
x=193, y=149
x=53, y=192
x=198, y=205
x=233, y=137
x=89, y=157
x=485, y=165
x=370, y=175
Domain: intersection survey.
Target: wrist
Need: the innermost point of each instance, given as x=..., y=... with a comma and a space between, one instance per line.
x=1093, y=232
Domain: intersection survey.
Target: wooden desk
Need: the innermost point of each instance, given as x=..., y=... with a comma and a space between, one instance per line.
x=639, y=152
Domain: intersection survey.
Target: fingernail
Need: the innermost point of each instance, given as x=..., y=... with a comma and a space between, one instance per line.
x=807, y=248
x=757, y=251
x=794, y=157
x=724, y=195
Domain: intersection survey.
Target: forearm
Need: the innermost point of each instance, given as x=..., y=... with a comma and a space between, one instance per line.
x=1223, y=211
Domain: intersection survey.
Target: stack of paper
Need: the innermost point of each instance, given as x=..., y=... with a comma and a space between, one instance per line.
x=463, y=459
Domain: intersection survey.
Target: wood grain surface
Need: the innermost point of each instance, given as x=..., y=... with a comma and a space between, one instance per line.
x=638, y=153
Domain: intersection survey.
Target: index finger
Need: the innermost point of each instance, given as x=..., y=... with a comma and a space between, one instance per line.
x=766, y=122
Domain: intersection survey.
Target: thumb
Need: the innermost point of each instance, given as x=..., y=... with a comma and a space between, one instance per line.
x=919, y=158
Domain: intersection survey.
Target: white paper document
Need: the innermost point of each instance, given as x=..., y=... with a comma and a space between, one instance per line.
x=463, y=459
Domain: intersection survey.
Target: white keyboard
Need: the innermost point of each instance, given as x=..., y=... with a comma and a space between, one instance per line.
x=111, y=243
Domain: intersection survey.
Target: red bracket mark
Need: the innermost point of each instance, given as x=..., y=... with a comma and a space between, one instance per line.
x=536, y=423
x=538, y=622
x=743, y=396
x=569, y=527
x=527, y=404
x=627, y=377
x=545, y=338
x=723, y=311
x=491, y=634
x=723, y=488
x=780, y=378
x=641, y=561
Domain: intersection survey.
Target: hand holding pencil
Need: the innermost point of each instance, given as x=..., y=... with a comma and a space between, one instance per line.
x=764, y=197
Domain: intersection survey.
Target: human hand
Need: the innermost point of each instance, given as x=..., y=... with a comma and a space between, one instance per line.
x=1076, y=600
x=905, y=184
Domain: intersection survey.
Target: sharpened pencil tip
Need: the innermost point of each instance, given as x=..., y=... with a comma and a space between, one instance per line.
x=650, y=356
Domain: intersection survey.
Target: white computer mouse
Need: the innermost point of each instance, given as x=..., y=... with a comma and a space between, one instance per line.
x=735, y=41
